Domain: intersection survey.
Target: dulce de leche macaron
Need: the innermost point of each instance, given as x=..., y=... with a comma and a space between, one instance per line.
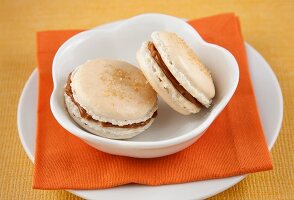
x=110, y=98
x=176, y=73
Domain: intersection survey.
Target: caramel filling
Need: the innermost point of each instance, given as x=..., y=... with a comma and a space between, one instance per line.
x=156, y=56
x=85, y=115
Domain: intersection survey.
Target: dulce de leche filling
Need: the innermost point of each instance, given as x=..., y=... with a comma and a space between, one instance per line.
x=156, y=56
x=85, y=115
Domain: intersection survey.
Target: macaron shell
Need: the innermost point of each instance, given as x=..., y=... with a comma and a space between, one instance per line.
x=185, y=66
x=95, y=128
x=113, y=90
x=161, y=84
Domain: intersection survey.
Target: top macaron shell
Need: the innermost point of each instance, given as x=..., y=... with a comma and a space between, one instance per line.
x=113, y=91
x=185, y=66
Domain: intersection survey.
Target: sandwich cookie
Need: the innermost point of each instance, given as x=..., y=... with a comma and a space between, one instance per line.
x=176, y=73
x=110, y=98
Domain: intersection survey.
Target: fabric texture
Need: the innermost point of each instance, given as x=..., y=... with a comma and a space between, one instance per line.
x=234, y=144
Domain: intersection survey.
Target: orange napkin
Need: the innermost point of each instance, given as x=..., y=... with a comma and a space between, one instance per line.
x=233, y=145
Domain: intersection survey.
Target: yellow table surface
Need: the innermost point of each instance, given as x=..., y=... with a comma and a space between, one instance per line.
x=267, y=25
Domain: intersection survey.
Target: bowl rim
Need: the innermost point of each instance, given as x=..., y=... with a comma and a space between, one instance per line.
x=125, y=144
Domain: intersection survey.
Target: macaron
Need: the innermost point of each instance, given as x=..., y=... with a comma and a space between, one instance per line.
x=110, y=98
x=176, y=73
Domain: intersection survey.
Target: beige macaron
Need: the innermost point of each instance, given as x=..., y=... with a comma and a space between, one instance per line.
x=176, y=73
x=110, y=98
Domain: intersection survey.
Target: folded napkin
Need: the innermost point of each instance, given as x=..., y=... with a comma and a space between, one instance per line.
x=234, y=144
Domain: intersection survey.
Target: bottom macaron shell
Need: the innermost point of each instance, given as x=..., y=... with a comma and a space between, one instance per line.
x=97, y=129
x=162, y=85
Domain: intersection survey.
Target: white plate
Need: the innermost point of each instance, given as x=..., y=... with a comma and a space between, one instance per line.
x=271, y=113
x=270, y=106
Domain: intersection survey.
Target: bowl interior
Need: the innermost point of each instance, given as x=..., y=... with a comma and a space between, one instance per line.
x=121, y=42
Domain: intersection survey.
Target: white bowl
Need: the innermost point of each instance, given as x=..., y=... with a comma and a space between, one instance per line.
x=171, y=132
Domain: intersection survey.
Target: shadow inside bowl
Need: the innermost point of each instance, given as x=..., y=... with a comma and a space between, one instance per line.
x=170, y=124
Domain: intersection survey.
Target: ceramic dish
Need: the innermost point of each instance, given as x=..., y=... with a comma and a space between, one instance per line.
x=171, y=132
x=265, y=84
